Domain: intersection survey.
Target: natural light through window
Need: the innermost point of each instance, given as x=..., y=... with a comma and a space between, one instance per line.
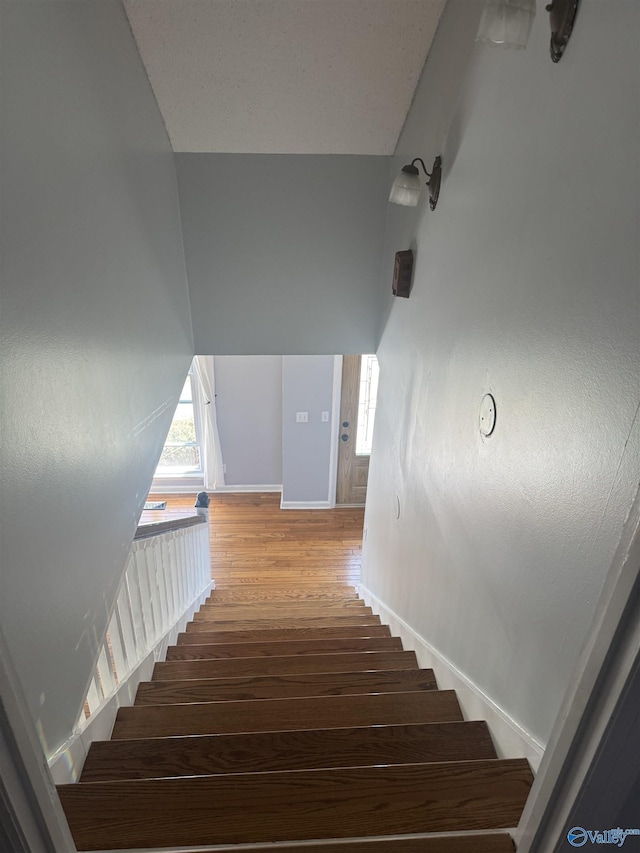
x=181, y=453
x=367, y=396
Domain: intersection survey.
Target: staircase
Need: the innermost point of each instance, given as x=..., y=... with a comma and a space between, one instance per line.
x=290, y=714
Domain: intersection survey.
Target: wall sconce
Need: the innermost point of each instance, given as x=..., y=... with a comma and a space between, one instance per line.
x=407, y=186
x=506, y=23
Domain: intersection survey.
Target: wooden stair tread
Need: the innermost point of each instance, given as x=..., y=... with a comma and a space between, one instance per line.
x=260, y=603
x=213, y=651
x=289, y=750
x=290, y=594
x=282, y=686
x=297, y=805
x=308, y=580
x=298, y=583
x=468, y=842
x=295, y=584
x=282, y=635
x=256, y=715
x=290, y=665
x=255, y=623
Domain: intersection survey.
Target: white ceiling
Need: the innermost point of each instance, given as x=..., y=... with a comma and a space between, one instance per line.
x=284, y=76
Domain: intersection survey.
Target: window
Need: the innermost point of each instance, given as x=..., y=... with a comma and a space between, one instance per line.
x=367, y=397
x=182, y=450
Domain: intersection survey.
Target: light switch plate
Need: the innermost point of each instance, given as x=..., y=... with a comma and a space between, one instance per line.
x=302, y=417
x=325, y=417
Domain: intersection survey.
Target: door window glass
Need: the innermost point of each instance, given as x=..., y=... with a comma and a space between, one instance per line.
x=367, y=396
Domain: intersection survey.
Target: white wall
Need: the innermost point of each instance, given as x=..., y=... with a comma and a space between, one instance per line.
x=283, y=251
x=96, y=333
x=526, y=285
x=307, y=383
x=249, y=410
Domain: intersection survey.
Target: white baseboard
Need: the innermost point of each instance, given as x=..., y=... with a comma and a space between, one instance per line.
x=66, y=764
x=27, y=789
x=306, y=505
x=271, y=487
x=187, y=488
x=510, y=739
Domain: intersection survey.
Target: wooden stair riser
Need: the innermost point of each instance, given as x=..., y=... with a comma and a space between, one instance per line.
x=286, y=623
x=274, y=611
x=263, y=715
x=287, y=550
x=289, y=750
x=228, y=573
x=270, y=807
x=301, y=647
x=303, y=580
x=283, y=686
x=283, y=636
x=291, y=665
x=292, y=561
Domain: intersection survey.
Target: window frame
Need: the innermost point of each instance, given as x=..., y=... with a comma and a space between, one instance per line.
x=197, y=403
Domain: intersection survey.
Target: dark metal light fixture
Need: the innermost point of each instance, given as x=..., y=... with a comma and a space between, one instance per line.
x=562, y=15
x=407, y=186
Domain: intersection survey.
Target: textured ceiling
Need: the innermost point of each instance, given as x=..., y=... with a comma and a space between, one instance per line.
x=284, y=76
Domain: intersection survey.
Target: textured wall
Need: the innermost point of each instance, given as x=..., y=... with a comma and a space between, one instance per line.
x=283, y=252
x=526, y=285
x=307, y=386
x=96, y=333
x=249, y=408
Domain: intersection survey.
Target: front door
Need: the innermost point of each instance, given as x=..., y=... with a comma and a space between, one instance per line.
x=357, y=408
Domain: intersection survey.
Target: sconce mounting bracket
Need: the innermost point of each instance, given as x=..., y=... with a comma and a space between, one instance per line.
x=562, y=15
x=435, y=177
x=434, y=182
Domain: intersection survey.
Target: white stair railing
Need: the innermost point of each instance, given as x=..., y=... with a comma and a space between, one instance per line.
x=166, y=579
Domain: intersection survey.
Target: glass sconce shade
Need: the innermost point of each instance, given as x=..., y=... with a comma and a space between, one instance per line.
x=507, y=23
x=406, y=188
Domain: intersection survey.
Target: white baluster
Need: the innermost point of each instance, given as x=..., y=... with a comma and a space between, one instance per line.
x=127, y=628
x=117, y=646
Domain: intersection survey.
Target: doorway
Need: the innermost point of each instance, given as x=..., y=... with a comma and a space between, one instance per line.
x=357, y=415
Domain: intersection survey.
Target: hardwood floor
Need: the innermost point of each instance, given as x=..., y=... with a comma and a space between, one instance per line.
x=254, y=542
